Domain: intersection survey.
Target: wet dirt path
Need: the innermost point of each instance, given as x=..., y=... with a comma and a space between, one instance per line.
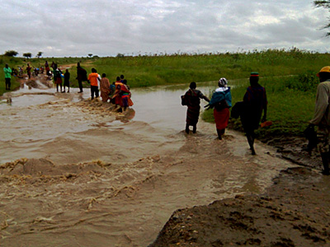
x=76, y=174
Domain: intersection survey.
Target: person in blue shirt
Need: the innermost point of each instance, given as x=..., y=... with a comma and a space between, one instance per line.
x=221, y=102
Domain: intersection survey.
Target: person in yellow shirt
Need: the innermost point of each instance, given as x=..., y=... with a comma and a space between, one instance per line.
x=93, y=79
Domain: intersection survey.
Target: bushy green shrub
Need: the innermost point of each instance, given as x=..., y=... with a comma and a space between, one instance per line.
x=303, y=82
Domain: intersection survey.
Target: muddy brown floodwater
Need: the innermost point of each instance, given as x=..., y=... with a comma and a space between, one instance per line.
x=74, y=173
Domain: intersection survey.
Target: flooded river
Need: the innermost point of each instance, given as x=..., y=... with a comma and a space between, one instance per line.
x=76, y=174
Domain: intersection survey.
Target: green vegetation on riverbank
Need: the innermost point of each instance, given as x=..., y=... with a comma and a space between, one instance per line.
x=288, y=75
x=13, y=63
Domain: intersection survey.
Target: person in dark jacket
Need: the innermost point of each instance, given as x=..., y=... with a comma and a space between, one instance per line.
x=192, y=97
x=81, y=76
x=67, y=80
x=255, y=102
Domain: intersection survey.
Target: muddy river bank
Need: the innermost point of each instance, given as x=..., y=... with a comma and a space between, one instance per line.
x=75, y=173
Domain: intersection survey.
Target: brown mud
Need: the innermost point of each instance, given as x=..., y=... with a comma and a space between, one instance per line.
x=292, y=212
x=76, y=173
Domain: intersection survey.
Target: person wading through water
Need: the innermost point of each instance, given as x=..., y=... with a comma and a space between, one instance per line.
x=192, y=98
x=221, y=102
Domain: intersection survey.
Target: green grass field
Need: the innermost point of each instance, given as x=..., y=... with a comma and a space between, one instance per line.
x=289, y=77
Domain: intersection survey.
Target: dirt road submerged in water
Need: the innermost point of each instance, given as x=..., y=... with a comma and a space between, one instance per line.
x=76, y=174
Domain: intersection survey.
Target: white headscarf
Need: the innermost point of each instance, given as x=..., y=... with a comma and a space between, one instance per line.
x=223, y=82
x=223, y=85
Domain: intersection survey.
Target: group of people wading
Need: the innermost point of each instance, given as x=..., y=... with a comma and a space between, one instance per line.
x=117, y=93
x=254, y=103
x=249, y=110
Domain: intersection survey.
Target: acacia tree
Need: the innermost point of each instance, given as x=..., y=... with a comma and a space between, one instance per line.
x=326, y=5
x=27, y=55
x=39, y=54
x=11, y=53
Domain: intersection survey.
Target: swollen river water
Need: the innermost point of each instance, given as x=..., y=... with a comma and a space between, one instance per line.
x=75, y=174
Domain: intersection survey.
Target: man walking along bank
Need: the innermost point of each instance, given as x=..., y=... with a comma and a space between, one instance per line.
x=322, y=117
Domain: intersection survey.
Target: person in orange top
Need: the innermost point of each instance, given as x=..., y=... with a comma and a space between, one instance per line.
x=93, y=80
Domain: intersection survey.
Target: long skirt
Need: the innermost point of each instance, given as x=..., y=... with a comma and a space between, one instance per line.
x=58, y=80
x=126, y=99
x=221, y=118
x=130, y=102
x=117, y=99
x=192, y=115
x=104, y=95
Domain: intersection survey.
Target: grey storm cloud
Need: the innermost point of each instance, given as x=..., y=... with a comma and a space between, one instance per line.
x=109, y=27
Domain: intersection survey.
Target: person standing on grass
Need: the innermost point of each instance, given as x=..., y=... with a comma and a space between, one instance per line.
x=255, y=102
x=192, y=97
x=321, y=117
x=93, y=79
x=221, y=102
x=8, y=72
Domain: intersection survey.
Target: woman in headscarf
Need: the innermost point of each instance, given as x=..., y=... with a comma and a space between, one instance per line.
x=221, y=102
x=255, y=101
x=192, y=97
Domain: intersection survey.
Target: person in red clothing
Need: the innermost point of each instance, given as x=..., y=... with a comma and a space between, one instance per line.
x=121, y=96
x=117, y=96
x=93, y=79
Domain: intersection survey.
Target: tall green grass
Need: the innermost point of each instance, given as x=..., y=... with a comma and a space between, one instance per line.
x=288, y=76
x=143, y=71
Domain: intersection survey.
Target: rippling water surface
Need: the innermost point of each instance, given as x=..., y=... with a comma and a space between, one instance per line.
x=92, y=179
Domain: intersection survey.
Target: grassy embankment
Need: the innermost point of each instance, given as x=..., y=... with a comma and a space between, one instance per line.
x=289, y=78
x=13, y=63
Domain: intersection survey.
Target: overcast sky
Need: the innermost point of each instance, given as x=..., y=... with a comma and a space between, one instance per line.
x=132, y=27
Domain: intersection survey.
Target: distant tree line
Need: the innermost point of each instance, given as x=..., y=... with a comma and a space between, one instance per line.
x=13, y=53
